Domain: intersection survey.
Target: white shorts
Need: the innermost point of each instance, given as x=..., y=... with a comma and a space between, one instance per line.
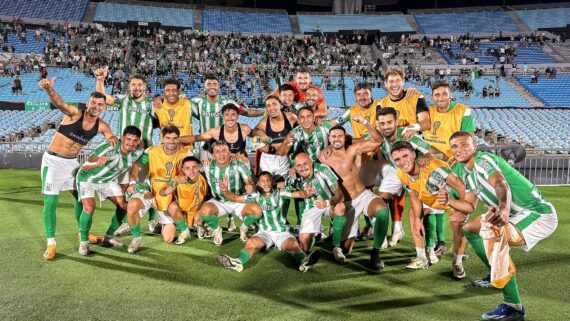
x=58, y=174
x=433, y=210
x=104, y=190
x=311, y=219
x=369, y=171
x=271, y=238
x=534, y=227
x=163, y=218
x=277, y=165
x=390, y=184
x=227, y=207
x=354, y=208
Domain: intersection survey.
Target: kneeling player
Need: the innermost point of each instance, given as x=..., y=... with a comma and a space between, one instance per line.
x=273, y=228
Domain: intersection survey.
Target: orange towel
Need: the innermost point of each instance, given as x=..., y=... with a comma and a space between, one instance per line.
x=496, y=243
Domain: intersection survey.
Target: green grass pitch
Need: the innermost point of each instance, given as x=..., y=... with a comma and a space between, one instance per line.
x=169, y=282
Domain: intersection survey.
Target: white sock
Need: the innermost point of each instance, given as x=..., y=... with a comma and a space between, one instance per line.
x=421, y=253
x=51, y=241
x=457, y=259
x=397, y=226
x=83, y=243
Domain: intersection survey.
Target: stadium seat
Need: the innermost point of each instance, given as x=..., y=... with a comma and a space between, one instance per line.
x=545, y=18
x=462, y=22
x=71, y=10
x=525, y=54
x=254, y=22
x=334, y=23
x=552, y=92
x=119, y=12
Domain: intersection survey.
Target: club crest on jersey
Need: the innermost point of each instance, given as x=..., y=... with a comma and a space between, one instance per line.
x=169, y=166
x=171, y=114
x=435, y=127
x=249, y=198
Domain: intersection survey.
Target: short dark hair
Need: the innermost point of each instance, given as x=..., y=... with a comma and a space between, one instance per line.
x=230, y=106
x=439, y=83
x=338, y=127
x=273, y=97
x=172, y=81
x=362, y=85
x=169, y=129
x=190, y=159
x=97, y=95
x=132, y=130
x=262, y=173
x=139, y=77
x=304, y=70
x=211, y=77
x=306, y=108
x=286, y=87
x=460, y=134
x=402, y=144
x=387, y=111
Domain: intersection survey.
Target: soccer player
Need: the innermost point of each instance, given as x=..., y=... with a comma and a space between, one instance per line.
x=164, y=166
x=59, y=162
x=346, y=162
x=240, y=181
x=513, y=202
x=301, y=86
x=273, y=228
x=423, y=184
x=307, y=137
x=190, y=190
x=99, y=174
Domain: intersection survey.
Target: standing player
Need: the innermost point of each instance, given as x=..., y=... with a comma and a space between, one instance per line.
x=273, y=228
x=423, y=184
x=59, y=162
x=301, y=86
x=346, y=162
x=99, y=174
x=240, y=181
x=513, y=202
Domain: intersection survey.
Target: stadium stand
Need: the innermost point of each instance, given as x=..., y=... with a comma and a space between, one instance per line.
x=462, y=22
x=119, y=12
x=71, y=10
x=252, y=22
x=31, y=45
x=524, y=54
x=535, y=19
x=552, y=92
x=334, y=23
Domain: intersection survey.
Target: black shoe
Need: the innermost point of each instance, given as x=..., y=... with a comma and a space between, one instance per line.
x=375, y=261
x=440, y=248
x=310, y=260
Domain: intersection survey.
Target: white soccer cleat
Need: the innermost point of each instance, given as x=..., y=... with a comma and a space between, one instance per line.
x=309, y=261
x=231, y=224
x=84, y=248
x=218, y=238
x=209, y=232
x=432, y=257
x=338, y=255
x=201, y=231
x=135, y=245
x=230, y=263
x=112, y=242
x=152, y=225
x=458, y=271
x=243, y=233
x=124, y=229
x=396, y=237
x=183, y=237
x=384, y=244
x=418, y=263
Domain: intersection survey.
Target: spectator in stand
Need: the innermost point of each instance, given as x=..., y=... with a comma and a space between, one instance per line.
x=78, y=86
x=17, y=86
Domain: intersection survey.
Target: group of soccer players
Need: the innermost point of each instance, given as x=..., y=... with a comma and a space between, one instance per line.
x=197, y=175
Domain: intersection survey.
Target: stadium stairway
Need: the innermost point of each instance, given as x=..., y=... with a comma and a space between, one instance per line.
x=413, y=23
x=517, y=20
x=554, y=53
x=294, y=24
x=90, y=12
x=198, y=18
x=534, y=101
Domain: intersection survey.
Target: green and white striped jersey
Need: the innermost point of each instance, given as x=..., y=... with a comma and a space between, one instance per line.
x=525, y=196
x=313, y=142
x=237, y=173
x=273, y=218
x=138, y=114
x=417, y=143
x=323, y=178
x=116, y=165
x=209, y=114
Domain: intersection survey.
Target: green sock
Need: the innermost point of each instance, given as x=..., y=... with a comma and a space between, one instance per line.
x=299, y=209
x=338, y=226
x=285, y=208
x=48, y=214
x=250, y=219
x=124, y=220
x=181, y=225
x=119, y=215
x=440, y=227
x=211, y=220
x=85, y=221
x=511, y=291
x=381, y=227
x=243, y=256
x=77, y=209
x=135, y=230
x=299, y=257
x=476, y=242
x=429, y=224
x=151, y=214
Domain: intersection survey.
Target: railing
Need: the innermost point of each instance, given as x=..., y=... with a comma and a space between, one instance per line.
x=547, y=169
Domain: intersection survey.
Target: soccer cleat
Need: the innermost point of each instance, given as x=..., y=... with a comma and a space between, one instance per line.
x=396, y=237
x=50, y=252
x=432, y=258
x=218, y=238
x=93, y=239
x=505, y=312
x=384, y=244
x=201, y=231
x=124, y=229
x=209, y=232
x=365, y=233
x=84, y=248
x=230, y=263
x=338, y=255
x=135, y=245
x=112, y=242
x=243, y=233
x=418, y=263
x=375, y=261
x=482, y=283
x=152, y=224
x=309, y=261
x=458, y=271
x=231, y=224
x=440, y=248
x=183, y=237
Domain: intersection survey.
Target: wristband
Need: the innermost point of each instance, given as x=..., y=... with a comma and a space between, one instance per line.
x=171, y=183
x=328, y=202
x=133, y=183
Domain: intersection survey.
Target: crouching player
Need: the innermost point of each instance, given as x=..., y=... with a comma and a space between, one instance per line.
x=273, y=228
